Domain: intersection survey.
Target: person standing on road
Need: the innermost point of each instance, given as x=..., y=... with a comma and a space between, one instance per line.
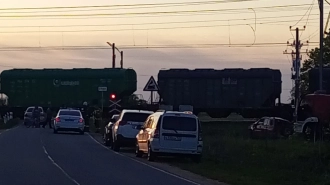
x=36, y=116
x=97, y=118
x=86, y=114
x=49, y=117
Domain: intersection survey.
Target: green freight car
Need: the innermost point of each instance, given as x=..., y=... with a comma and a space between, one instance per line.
x=70, y=87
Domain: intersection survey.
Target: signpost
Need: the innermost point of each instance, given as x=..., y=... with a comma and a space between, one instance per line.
x=151, y=86
x=102, y=90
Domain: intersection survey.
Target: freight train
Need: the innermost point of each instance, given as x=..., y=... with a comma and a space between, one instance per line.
x=252, y=92
x=249, y=92
x=66, y=87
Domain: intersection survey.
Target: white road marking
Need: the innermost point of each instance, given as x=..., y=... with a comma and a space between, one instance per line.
x=145, y=164
x=54, y=163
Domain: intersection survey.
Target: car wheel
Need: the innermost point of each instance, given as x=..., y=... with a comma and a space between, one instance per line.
x=110, y=139
x=138, y=152
x=286, y=132
x=151, y=154
x=106, y=142
x=112, y=143
x=310, y=132
x=116, y=146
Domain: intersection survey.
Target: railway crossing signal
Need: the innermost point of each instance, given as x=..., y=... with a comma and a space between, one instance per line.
x=114, y=103
x=112, y=96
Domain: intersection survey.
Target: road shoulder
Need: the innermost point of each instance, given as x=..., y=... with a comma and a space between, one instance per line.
x=166, y=167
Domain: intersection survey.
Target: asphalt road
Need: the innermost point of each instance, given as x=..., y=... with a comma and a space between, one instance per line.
x=32, y=156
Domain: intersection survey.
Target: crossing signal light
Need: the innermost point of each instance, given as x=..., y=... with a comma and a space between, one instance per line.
x=112, y=96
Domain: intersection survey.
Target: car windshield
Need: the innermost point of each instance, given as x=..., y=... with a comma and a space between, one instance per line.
x=30, y=109
x=179, y=123
x=135, y=116
x=69, y=113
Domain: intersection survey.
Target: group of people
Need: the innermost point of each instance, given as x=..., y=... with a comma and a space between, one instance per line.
x=36, y=113
x=86, y=112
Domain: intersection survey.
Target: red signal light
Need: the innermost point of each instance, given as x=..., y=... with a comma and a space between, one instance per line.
x=112, y=96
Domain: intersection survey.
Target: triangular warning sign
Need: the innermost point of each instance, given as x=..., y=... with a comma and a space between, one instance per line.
x=151, y=85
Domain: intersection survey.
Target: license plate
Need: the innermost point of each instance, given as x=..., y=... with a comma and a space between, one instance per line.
x=69, y=120
x=172, y=138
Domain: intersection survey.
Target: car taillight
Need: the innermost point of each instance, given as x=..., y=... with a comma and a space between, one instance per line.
x=156, y=134
x=81, y=120
x=57, y=119
x=122, y=122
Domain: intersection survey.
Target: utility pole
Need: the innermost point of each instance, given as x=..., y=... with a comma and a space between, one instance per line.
x=114, y=48
x=297, y=69
x=296, y=59
x=121, y=59
x=321, y=46
x=113, y=56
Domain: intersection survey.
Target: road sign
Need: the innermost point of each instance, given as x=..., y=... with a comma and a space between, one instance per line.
x=114, y=110
x=151, y=85
x=103, y=89
x=115, y=103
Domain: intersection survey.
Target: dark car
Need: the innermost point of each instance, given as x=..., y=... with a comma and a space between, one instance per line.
x=271, y=127
x=107, y=135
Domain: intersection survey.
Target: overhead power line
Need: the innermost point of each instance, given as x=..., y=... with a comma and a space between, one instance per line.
x=151, y=23
x=183, y=46
x=142, y=13
x=309, y=10
x=135, y=29
x=124, y=5
x=241, y=11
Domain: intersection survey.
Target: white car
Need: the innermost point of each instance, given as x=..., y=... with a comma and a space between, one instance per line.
x=127, y=126
x=170, y=133
x=69, y=120
x=28, y=115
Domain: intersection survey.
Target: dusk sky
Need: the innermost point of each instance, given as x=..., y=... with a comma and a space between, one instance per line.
x=225, y=23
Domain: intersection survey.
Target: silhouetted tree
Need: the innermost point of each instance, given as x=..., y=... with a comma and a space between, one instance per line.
x=312, y=62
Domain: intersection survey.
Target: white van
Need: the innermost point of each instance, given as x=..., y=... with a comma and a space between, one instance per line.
x=170, y=133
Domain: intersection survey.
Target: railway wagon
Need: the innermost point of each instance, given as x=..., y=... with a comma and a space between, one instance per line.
x=250, y=92
x=314, y=80
x=69, y=87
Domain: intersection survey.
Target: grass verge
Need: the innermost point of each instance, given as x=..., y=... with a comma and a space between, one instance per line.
x=230, y=156
x=10, y=124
